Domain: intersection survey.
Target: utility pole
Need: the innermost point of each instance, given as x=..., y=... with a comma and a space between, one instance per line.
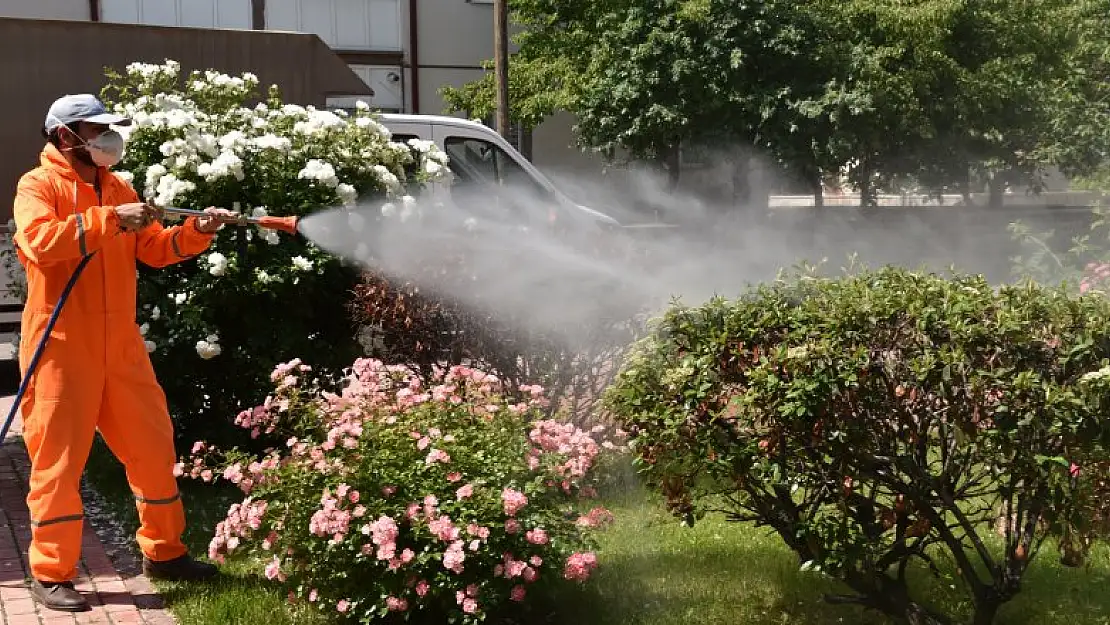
x=501, y=64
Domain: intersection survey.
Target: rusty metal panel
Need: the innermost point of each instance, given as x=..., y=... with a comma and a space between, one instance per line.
x=41, y=60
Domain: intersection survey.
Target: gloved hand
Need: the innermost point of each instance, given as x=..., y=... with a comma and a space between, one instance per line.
x=215, y=219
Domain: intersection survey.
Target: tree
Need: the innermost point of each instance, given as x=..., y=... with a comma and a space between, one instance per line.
x=930, y=95
x=673, y=72
x=957, y=91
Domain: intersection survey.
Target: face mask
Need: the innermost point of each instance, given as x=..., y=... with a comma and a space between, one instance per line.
x=106, y=150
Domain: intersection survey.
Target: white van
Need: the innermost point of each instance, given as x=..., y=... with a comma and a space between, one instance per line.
x=483, y=160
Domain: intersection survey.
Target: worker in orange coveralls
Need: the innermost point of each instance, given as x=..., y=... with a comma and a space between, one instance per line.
x=95, y=373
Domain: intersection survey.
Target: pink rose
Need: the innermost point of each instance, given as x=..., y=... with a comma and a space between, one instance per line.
x=395, y=604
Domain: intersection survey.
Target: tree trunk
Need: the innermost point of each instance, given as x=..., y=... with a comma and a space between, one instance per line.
x=985, y=613
x=818, y=191
x=865, y=192
x=670, y=159
x=997, y=189
x=741, y=180
x=891, y=597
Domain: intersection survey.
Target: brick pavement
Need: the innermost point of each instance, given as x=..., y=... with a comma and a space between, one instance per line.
x=115, y=597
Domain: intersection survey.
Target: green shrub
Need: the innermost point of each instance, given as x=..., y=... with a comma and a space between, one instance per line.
x=883, y=418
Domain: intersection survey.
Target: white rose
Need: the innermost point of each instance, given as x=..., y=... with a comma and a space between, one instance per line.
x=321, y=171
x=180, y=298
x=156, y=313
x=347, y=194
x=208, y=349
x=300, y=263
x=150, y=346
x=265, y=278
x=217, y=264
x=143, y=329
x=271, y=142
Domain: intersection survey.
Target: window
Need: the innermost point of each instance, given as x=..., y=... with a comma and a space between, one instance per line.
x=192, y=13
x=479, y=161
x=342, y=24
x=410, y=169
x=481, y=168
x=518, y=138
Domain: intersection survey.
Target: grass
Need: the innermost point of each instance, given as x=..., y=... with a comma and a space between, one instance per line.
x=654, y=572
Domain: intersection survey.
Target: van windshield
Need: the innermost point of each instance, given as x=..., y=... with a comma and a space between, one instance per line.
x=480, y=162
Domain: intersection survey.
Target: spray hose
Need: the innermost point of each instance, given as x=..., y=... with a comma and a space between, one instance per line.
x=284, y=224
x=41, y=347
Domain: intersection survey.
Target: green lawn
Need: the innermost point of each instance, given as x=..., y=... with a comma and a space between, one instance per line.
x=653, y=572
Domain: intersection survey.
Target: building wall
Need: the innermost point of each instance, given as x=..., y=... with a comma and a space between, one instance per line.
x=46, y=9
x=304, y=69
x=453, y=37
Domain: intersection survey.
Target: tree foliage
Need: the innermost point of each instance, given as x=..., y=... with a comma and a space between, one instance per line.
x=931, y=95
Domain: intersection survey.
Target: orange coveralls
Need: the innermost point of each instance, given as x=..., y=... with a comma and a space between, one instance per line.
x=95, y=372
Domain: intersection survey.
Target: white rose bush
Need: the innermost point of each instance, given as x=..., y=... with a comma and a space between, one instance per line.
x=216, y=326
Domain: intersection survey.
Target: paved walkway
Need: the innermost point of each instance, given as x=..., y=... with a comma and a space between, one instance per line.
x=115, y=597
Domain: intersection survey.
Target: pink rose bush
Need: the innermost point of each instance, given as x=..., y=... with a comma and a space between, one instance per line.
x=392, y=496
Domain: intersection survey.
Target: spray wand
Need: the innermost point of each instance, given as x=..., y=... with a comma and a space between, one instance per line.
x=284, y=224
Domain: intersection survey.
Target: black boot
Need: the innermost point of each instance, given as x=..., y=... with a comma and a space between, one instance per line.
x=182, y=569
x=60, y=596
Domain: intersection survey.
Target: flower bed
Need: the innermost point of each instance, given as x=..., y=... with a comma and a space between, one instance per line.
x=396, y=497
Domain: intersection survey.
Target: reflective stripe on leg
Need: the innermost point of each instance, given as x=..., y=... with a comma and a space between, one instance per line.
x=55, y=520
x=157, y=502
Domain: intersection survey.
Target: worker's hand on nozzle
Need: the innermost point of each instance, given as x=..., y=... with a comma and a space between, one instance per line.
x=136, y=216
x=215, y=218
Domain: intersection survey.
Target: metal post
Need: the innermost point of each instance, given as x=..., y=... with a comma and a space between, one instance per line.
x=501, y=64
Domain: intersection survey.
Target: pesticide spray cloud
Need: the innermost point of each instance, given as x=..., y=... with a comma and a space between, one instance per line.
x=537, y=259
